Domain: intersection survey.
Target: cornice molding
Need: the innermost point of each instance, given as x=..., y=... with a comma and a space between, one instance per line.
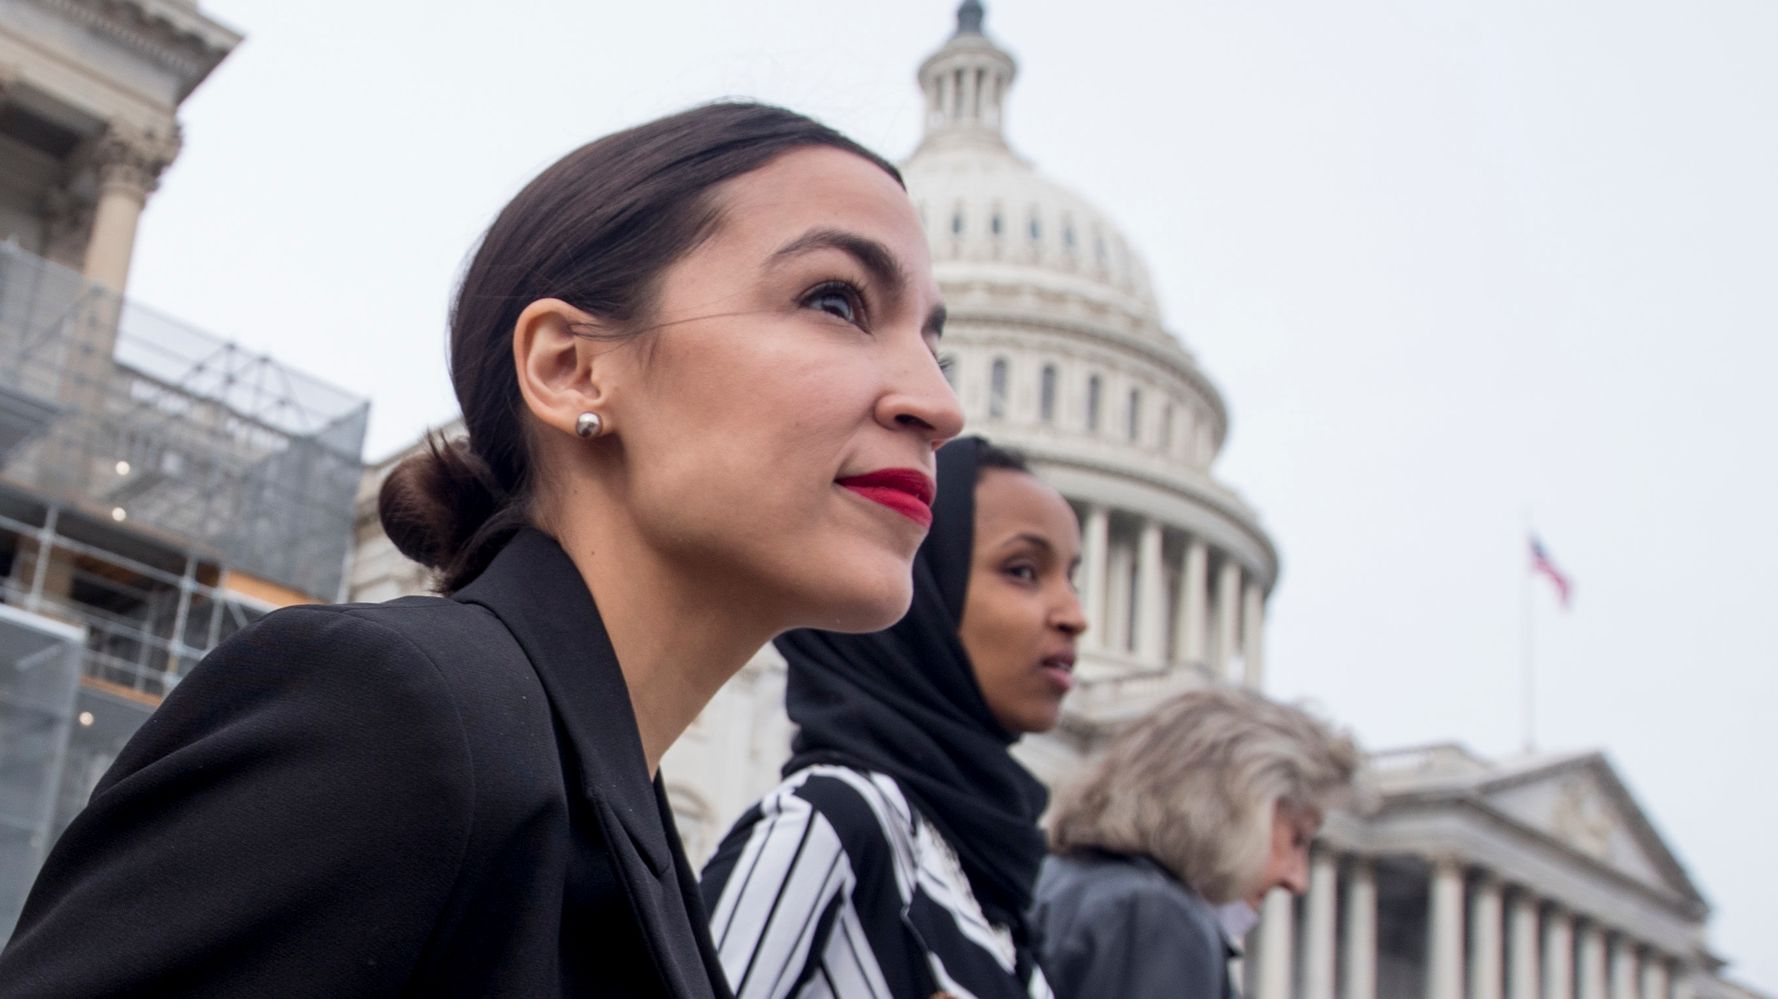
x=1691, y=906
x=189, y=44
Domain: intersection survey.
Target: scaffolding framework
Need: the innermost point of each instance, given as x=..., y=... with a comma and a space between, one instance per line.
x=160, y=489
x=123, y=414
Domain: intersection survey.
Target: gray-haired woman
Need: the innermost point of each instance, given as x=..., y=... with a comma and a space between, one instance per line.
x=1210, y=800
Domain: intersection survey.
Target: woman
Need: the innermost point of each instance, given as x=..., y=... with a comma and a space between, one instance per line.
x=695, y=360
x=1209, y=800
x=896, y=859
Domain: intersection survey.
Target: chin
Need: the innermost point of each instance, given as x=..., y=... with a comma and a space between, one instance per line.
x=862, y=609
x=1036, y=721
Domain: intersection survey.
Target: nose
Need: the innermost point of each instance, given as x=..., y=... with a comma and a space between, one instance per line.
x=919, y=399
x=1069, y=617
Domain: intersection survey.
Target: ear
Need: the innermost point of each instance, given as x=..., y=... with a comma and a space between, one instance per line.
x=557, y=367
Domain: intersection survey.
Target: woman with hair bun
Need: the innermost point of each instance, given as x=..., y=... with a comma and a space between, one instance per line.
x=1180, y=827
x=696, y=364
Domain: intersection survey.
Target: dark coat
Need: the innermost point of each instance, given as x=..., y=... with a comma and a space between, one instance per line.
x=1115, y=925
x=424, y=797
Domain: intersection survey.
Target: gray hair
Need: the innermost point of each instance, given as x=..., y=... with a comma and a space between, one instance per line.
x=1194, y=785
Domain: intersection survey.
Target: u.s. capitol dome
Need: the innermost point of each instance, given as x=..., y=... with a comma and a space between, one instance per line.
x=1060, y=349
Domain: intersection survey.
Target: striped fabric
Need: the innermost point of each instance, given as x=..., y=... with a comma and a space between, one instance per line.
x=831, y=886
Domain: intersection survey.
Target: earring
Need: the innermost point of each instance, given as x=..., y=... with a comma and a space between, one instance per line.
x=588, y=425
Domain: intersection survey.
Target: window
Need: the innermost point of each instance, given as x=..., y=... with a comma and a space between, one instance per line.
x=957, y=222
x=994, y=224
x=1093, y=389
x=997, y=390
x=1036, y=228
x=1167, y=427
x=1133, y=422
x=1046, y=398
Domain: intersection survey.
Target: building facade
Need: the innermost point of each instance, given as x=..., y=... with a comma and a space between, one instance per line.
x=159, y=487
x=1536, y=879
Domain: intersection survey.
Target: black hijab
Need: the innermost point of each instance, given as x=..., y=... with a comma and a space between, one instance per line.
x=905, y=702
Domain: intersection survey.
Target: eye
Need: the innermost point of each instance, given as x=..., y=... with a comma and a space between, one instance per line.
x=839, y=299
x=1023, y=572
x=945, y=361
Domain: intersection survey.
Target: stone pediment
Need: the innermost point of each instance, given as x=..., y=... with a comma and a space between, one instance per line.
x=1580, y=802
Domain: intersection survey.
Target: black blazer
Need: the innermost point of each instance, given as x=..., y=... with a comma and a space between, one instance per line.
x=424, y=797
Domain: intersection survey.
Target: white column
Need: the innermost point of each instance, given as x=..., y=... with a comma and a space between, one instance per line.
x=1654, y=976
x=1118, y=593
x=1194, y=590
x=1624, y=969
x=1275, y=967
x=1094, y=555
x=1521, y=951
x=1318, y=947
x=1486, y=966
x=128, y=163
x=1592, y=962
x=1360, y=959
x=1228, y=614
x=1253, y=627
x=1444, y=963
x=1558, y=955
x=1151, y=596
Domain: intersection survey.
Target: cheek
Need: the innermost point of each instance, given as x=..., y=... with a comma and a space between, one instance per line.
x=767, y=389
x=999, y=636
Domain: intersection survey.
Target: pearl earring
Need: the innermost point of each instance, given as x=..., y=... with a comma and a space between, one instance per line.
x=588, y=425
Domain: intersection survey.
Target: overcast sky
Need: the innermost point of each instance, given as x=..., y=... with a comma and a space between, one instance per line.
x=1455, y=266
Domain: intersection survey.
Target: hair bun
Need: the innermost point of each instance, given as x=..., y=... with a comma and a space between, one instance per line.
x=443, y=508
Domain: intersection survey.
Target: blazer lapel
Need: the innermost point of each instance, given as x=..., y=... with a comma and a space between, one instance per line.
x=534, y=589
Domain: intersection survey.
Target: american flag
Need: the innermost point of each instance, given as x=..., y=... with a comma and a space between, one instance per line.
x=1540, y=562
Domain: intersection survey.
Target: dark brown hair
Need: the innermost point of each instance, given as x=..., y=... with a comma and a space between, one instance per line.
x=595, y=230
x=990, y=456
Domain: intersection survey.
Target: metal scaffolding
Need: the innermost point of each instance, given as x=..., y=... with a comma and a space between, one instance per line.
x=127, y=415
x=159, y=490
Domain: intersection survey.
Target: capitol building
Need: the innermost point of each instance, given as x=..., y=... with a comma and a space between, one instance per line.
x=1534, y=878
x=161, y=488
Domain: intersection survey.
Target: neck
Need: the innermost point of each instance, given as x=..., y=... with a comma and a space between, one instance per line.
x=679, y=633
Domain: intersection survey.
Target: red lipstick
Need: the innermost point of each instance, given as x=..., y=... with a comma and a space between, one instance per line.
x=907, y=491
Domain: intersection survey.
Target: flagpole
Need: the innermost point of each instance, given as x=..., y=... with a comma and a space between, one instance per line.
x=1529, y=651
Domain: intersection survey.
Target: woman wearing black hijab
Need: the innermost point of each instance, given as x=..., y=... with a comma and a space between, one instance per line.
x=898, y=855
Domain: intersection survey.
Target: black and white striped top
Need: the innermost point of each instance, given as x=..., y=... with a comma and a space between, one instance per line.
x=832, y=886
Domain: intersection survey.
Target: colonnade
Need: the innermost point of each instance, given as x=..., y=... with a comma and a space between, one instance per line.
x=1163, y=595
x=1484, y=939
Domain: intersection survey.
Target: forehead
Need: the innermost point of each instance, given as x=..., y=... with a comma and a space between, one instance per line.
x=1009, y=503
x=819, y=186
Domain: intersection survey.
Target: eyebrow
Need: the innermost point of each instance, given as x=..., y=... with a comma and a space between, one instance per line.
x=872, y=255
x=1026, y=537
x=1038, y=541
